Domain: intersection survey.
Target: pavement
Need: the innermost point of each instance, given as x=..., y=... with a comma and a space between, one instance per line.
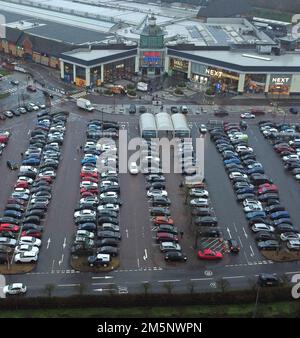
x=140, y=257
x=2, y=284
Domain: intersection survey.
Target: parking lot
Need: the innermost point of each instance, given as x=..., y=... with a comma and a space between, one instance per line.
x=138, y=248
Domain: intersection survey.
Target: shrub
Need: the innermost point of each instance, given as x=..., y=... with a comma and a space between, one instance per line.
x=131, y=92
x=130, y=87
x=108, y=92
x=178, y=91
x=210, y=91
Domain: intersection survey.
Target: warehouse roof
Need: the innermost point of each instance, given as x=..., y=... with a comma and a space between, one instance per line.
x=164, y=122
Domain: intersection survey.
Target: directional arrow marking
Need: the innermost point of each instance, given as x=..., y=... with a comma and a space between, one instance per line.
x=229, y=233
x=64, y=244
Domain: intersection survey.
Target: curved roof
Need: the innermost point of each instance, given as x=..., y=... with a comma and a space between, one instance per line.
x=164, y=122
x=147, y=122
x=180, y=122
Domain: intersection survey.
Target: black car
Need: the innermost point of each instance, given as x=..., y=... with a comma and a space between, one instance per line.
x=264, y=236
x=11, y=220
x=84, y=219
x=111, y=250
x=233, y=246
x=161, y=201
x=206, y=221
x=82, y=249
x=3, y=259
x=110, y=200
x=106, y=219
x=30, y=226
x=108, y=234
x=32, y=219
x=156, y=185
x=97, y=261
x=16, y=207
x=268, y=196
x=175, y=256
x=168, y=228
x=107, y=242
x=159, y=211
x=268, y=279
x=215, y=233
x=242, y=197
x=201, y=212
x=174, y=110
x=269, y=245
x=156, y=178
x=108, y=213
x=87, y=226
x=274, y=208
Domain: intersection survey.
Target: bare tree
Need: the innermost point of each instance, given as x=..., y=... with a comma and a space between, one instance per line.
x=49, y=288
x=146, y=287
x=223, y=284
x=169, y=287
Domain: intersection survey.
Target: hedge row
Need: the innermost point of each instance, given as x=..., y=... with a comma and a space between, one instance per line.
x=131, y=300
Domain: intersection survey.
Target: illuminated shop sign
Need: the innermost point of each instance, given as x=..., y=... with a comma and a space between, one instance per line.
x=214, y=73
x=280, y=80
x=179, y=64
x=152, y=57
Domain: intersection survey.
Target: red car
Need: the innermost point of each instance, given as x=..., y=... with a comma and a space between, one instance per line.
x=267, y=187
x=89, y=178
x=209, y=254
x=257, y=112
x=44, y=178
x=280, y=149
x=163, y=220
x=88, y=174
x=21, y=184
x=86, y=194
x=92, y=190
x=3, y=139
x=166, y=237
x=32, y=232
x=9, y=227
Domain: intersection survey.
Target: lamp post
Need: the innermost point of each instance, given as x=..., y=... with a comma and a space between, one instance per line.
x=256, y=302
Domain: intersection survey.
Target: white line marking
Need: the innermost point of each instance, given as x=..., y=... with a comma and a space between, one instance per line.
x=53, y=264
x=240, y=241
x=67, y=285
x=105, y=277
x=146, y=255
x=292, y=273
x=102, y=283
x=252, y=252
x=127, y=233
x=168, y=280
x=233, y=277
x=196, y=279
x=138, y=262
x=64, y=244
x=245, y=232
x=48, y=243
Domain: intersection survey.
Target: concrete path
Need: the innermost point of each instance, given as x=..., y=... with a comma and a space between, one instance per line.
x=2, y=284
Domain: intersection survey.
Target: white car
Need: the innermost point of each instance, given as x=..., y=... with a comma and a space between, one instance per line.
x=293, y=244
x=84, y=184
x=86, y=156
x=110, y=227
x=85, y=212
x=248, y=202
x=291, y=158
x=26, y=247
x=30, y=240
x=26, y=257
x=50, y=173
x=199, y=202
x=253, y=207
x=14, y=289
x=297, y=177
x=108, y=184
x=39, y=199
x=287, y=236
x=108, y=206
x=108, y=173
x=133, y=168
x=247, y=116
x=111, y=194
x=85, y=233
x=89, y=199
x=240, y=149
x=236, y=175
x=197, y=192
x=87, y=169
x=262, y=227
x=157, y=193
x=255, y=165
x=22, y=190
x=151, y=159
x=111, y=147
x=203, y=129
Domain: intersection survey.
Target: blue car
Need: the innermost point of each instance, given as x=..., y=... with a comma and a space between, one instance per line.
x=88, y=160
x=256, y=170
x=254, y=214
x=34, y=155
x=31, y=161
x=245, y=191
x=279, y=214
x=282, y=221
x=233, y=160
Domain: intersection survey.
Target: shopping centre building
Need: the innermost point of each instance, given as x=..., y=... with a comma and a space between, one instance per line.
x=95, y=42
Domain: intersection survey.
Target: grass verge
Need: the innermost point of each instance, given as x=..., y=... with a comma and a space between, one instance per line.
x=270, y=310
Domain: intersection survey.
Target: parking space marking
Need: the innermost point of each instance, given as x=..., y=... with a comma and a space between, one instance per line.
x=138, y=262
x=245, y=232
x=67, y=285
x=252, y=252
x=240, y=241
x=232, y=277
x=168, y=280
x=200, y=279
x=48, y=243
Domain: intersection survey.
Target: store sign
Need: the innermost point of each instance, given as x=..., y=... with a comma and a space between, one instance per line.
x=280, y=80
x=180, y=64
x=214, y=73
x=152, y=57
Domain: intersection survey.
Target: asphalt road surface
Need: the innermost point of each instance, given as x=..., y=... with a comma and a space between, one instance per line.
x=140, y=257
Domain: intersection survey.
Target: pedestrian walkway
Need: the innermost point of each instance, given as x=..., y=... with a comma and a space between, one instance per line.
x=78, y=95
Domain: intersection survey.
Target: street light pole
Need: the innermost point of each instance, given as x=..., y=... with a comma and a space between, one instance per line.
x=256, y=302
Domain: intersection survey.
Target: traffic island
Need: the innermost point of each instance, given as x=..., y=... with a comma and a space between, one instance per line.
x=13, y=269
x=80, y=263
x=283, y=255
